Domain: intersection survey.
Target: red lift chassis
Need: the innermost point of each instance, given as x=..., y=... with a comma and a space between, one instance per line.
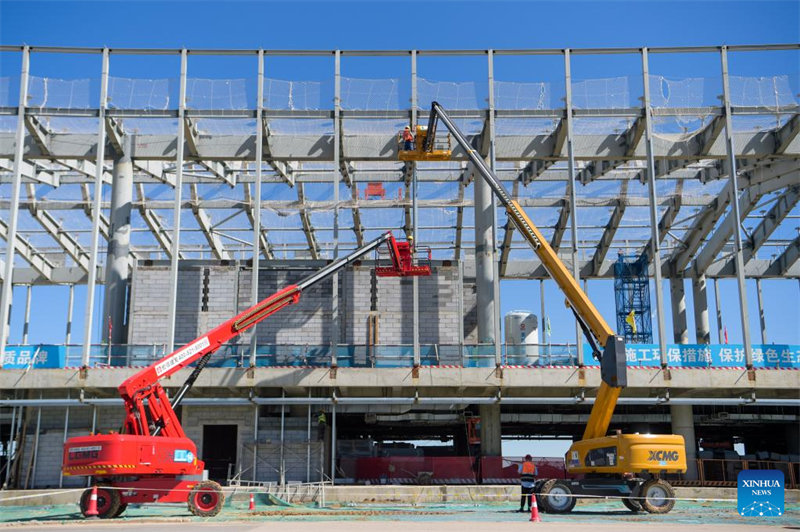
x=151, y=459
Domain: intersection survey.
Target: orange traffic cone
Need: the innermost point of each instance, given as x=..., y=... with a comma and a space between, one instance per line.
x=252, y=503
x=91, y=511
x=534, y=510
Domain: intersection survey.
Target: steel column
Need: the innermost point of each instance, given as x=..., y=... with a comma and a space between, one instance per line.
x=70, y=305
x=282, y=459
x=337, y=138
x=542, y=316
x=26, y=325
x=7, y=294
x=255, y=443
x=9, y=455
x=176, y=211
x=719, y=312
x=737, y=233
x=414, y=280
x=495, y=263
x=333, y=443
x=257, y=204
x=66, y=434
x=98, y=199
x=308, y=440
x=573, y=207
x=35, y=446
x=655, y=240
x=762, y=318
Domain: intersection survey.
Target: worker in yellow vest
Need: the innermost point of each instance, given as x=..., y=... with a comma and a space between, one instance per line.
x=527, y=478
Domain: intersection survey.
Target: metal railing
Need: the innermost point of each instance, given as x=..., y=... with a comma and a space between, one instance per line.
x=723, y=472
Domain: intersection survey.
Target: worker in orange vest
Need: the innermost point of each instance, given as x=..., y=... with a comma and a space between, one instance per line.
x=527, y=478
x=408, y=139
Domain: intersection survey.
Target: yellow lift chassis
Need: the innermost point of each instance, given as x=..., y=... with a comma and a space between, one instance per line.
x=621, y=465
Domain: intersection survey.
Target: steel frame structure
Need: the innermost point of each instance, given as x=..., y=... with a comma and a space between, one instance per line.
x=760, y=169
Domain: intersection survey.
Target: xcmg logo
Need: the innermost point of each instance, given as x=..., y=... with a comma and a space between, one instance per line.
x=663, y=456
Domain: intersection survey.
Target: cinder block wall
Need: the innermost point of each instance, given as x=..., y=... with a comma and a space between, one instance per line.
x=209, y=295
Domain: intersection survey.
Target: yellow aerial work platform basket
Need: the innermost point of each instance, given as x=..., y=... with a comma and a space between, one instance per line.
x=437, y=153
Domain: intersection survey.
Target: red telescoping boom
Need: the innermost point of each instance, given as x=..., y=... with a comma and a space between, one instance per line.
x=151, y=459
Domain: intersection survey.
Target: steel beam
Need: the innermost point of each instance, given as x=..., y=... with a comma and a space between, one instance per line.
x=747, y=202
x=782, y=264
x=32, y=256
x=39, y=133
x=667, y=219
x=31, y=172
x=205, y=223
x=776, y=214
x=154, y=223
x=305, y=219
x=508, y=235
x=608, y=234
x=786, y=134
x=250, y=210
x=63, y=237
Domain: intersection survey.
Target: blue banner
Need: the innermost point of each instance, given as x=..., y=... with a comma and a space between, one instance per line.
x=773, y=356
x=34, y=356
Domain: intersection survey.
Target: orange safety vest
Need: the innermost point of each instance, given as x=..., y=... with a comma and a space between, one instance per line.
x=528, y=472
x=407, y=135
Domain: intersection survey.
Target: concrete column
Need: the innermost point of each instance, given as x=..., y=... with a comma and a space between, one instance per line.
x=484, y=269
x=491, y=435
x=683, y=425
x=700, y=297
x=118, y=266
x=680, y=330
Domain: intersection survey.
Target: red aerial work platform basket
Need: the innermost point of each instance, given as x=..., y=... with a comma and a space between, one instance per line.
x=406, y=259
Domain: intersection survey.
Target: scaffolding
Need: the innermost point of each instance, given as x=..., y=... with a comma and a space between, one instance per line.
x=632, y=291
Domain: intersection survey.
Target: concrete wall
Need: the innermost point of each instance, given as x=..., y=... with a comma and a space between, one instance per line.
x=209, y=295
x=149, y=305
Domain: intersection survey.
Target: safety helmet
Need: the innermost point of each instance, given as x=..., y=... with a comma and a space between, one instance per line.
x=407, y=127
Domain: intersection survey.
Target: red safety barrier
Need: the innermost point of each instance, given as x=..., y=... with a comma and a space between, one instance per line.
x=504, y=470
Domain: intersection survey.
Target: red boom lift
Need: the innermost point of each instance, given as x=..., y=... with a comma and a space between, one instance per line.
x=151, y=459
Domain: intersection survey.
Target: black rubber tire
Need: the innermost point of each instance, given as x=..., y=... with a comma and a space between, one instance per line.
x=554, y=504
x=122, y=507
x=424, y=479
x=108, y=502
x=537, y=489
x=206, y=499
x=657, y=496
x=632, y=504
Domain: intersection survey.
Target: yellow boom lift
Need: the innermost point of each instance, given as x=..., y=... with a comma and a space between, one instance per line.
x=618, y=465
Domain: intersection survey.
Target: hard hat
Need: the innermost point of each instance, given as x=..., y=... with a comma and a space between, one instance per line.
x=407, y=127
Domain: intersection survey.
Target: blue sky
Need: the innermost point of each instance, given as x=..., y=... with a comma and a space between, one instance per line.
x=421, y=25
